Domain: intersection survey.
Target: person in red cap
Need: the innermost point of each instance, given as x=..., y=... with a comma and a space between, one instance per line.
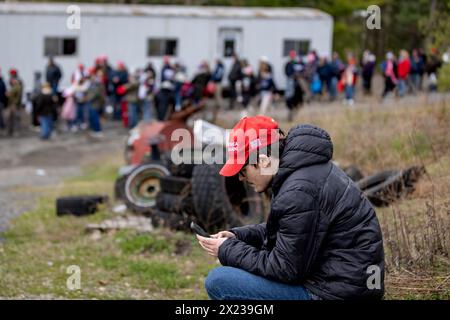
x=13, y=72
x=249, y=135
x=322, y=239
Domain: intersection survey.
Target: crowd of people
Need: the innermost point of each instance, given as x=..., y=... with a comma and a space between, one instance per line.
x=315, y=77
x=145, y=94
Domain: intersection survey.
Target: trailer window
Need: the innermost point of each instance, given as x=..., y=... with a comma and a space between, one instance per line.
x=299, y=46
x=56, y=46
x=229, y=48
x=162, y=47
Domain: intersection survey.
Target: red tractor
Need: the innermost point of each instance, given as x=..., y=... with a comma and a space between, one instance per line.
x=175, y=194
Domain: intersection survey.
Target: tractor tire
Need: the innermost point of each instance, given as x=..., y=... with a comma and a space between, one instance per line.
x=119, y=188
x=142, y=185
x=221, y=202
x=175, y=185
x=78, y=205
x=174, y=203
x=182, y=170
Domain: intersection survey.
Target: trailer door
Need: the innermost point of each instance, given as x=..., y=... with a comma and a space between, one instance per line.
x=230, y=40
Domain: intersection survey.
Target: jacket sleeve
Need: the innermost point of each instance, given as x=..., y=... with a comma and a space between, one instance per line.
x=253, y=235
x=292, y=256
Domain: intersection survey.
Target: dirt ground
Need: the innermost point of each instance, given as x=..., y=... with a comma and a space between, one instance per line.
x=34, y=172
x=25, y=160
x=28, y=161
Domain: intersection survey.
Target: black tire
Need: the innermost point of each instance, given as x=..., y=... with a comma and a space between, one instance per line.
x=142, y=185
x=394, y=185
x=119, y=188
x=223, y=202
x=353, y=172
x=170, y=220
x=175, y=185
x=411, y=175
x=103, y=199
x=174, y=203
x=182, y=170
x=78, y=205
x=376, y=179
x=385, y=192
x=119, y=184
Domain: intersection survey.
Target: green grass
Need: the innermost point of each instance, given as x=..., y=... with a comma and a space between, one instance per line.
x=164, y=264
x=39, y=247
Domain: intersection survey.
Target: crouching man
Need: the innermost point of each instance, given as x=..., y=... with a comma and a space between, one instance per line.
x=322, y=239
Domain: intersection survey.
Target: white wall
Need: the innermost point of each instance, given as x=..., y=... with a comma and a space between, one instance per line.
x=125, y=38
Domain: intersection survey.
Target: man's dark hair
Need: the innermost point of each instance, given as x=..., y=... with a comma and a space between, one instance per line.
x=268, y=150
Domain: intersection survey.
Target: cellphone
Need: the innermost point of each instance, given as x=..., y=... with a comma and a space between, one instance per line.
x=199, y=230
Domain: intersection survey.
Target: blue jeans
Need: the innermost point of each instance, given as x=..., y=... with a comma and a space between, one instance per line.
x=147, y=110
x=332, y=88
x=94, y=119
x=132, y=114
x=401, y=86
x=417, y=81
x=228, y=283
x=178, y=97
x=46, y=126
x=2, y=121
x=349, y=91
x=81, y=113
x=116, y=103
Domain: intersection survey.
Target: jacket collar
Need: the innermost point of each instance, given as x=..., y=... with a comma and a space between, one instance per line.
x=306, y=145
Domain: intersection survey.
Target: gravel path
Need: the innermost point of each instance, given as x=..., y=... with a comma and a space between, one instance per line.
x=26, y=161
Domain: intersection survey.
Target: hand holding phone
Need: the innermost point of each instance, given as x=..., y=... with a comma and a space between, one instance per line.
x=199, y=230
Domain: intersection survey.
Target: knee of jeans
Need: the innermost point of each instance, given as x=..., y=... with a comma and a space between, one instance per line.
x=215, y=281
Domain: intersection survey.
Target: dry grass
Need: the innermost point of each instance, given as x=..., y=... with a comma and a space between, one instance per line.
x=40, y=246
x=415, y=229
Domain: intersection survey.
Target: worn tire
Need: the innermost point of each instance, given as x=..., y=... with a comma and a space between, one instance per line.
x=182, y=170
x=175, y=185
x=142, y=185
x=78, y=205
x=103, y=198
x=385, y=192
x=376, y=179
x=161, y=218
x=119, y=188
x=353, y=172
x=387, y=186
x=174, y=203
x=221, y=202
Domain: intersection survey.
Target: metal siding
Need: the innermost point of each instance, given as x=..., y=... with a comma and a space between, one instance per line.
x=125, y=38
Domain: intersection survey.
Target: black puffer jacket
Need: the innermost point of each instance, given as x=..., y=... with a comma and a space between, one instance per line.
x=321, y=232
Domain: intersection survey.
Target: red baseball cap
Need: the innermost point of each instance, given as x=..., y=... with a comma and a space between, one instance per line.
x=247, y=136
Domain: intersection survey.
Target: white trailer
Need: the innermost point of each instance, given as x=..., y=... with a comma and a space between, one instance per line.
x=137, y=34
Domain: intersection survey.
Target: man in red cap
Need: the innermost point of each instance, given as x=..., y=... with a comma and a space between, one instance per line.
x=322, y=239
